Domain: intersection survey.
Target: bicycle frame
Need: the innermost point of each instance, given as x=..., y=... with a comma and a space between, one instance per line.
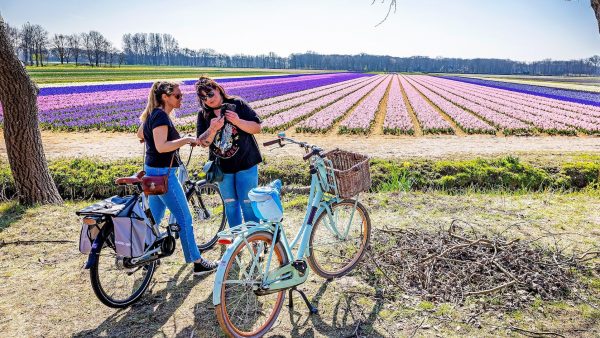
x=286, y=276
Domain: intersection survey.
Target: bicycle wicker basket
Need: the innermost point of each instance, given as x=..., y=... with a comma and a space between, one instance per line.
x=350, y=172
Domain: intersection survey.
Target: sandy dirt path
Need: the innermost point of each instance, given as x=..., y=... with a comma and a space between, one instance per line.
x=122, y=145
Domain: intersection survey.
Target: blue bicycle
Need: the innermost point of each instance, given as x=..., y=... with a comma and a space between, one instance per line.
x=259, y=264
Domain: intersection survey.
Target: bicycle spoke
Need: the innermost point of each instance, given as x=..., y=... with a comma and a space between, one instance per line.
x=338, y=239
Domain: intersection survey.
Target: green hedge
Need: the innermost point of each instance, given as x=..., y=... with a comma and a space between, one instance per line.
x=92, y=178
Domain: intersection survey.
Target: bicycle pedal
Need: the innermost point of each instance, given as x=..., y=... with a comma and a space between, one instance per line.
x=174, y=227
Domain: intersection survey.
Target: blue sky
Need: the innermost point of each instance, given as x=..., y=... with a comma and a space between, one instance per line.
x=516, y=29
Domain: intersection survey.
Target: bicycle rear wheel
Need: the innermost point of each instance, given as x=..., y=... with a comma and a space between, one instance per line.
x=243, y=313
x=115, y=285
x=338, y=240
x=208, y=213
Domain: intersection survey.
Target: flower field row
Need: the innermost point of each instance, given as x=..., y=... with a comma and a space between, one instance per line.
x=342, y=103
x=554, y=93
x=397, y=119
x=532, y=118
x=289, y=117
x=277, y=106
x=323, y=120
x=509, y=124
x=363, y=116
x=466, y=121
x=117, y=107
x=430, y=120
x=546, y=118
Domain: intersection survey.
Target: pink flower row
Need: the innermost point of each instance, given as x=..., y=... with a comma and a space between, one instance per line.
x=430, y=120
x=524, y=100
x=325, y=118
x=363, y=116
x=510, y=120
x=545, y=117
x=278, y=104
x=465, y=120
x=397, y=120
x=283, y=119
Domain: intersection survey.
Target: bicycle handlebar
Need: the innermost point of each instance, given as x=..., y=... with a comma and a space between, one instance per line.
x=311, y=150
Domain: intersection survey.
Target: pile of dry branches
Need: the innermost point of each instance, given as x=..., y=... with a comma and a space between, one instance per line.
x=450, y=264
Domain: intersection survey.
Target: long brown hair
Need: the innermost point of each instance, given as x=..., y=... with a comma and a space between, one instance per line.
x=155, y=96
x=206, y=84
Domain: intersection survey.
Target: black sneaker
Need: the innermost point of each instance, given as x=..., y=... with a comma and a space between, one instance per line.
x=204, y=267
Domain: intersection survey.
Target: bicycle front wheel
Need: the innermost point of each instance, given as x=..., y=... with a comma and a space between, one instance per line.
x=242, y=312
x=208, y=213
x=339, y=239
x=115, y=285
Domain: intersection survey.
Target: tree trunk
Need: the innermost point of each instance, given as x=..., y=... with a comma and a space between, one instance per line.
x=596, y=7
x=21, y=131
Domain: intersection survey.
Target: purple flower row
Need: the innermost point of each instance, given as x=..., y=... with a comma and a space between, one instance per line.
x=287, y=118
x=141, y=85
x=554, y=93
x=279, y=105
x=120, y=109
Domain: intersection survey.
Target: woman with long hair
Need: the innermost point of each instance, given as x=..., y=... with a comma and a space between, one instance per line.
x=227, y=125
x=162, y=144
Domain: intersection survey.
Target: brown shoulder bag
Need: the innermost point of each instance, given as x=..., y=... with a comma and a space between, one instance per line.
x=157, y=185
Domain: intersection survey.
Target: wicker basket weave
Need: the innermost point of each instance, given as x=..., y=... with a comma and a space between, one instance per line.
x=350, y=171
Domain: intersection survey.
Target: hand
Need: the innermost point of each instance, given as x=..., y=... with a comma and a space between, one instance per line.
x=216, y=123
x=190, y=140
x=232, y=117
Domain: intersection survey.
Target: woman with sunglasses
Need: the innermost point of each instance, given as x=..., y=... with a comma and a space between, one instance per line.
x=162, y=158
x=227, y=125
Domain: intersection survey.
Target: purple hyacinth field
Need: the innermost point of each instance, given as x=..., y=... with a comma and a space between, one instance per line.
x=117, y=107
x=343, y=103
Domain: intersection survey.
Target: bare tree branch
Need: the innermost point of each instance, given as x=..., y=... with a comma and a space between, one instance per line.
x=392, y=5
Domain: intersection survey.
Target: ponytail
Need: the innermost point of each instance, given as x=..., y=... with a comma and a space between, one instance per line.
x=155, y=97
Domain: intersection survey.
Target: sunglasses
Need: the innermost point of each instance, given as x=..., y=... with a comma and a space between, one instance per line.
x=178, y=96
x=208, y=95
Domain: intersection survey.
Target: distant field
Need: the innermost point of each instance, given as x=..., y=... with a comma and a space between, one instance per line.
x=584, y=83
x=70, y=73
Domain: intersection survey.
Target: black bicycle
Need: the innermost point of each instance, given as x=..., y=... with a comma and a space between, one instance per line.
x=206, y=204
x=118, y=279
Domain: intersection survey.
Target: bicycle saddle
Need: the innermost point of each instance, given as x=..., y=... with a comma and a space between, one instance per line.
x=137, y=178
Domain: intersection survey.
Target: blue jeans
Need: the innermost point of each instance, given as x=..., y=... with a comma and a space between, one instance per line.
x=175, y=200
x=234, y=190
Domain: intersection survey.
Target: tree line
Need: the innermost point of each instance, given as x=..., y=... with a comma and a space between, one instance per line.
x=34, y=46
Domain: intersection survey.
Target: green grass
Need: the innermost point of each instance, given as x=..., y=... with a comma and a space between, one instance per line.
x=180, y=305
x=70, y=73
x=88, y=177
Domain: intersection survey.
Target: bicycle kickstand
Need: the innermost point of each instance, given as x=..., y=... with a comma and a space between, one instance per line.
x=311, y=308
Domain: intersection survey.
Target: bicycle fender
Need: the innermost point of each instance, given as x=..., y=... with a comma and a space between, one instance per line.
x=93, y=256
x=220, y=274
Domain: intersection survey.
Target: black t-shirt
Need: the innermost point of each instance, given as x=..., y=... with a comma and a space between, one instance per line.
x=236, y=149
x=158, y=118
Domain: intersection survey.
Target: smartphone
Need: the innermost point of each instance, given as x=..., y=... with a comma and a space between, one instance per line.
x=227, y=106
